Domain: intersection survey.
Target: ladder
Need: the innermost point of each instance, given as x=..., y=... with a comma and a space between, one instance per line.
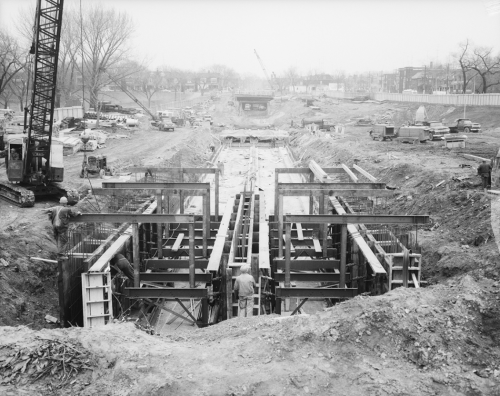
x=97, y=299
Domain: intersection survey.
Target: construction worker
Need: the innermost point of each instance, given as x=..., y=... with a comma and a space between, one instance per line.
x=484, y=170
x=243, y=289
x=220, y=165
x=59, y=216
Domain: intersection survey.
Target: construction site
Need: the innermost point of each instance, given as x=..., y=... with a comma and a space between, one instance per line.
x=371, y=239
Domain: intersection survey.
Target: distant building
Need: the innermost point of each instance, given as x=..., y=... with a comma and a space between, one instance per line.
x=389, y=82
x=405, y=75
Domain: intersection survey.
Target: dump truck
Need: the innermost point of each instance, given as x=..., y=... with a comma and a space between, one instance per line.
x=464, y=125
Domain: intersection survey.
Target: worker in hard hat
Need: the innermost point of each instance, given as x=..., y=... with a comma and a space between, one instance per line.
x=244, y=291
x=59, y=216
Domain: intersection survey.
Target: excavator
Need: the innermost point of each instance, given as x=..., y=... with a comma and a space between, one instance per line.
x=34, y=162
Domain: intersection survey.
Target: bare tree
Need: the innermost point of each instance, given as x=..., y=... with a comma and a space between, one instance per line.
x=463, y=58
x=292, y=75
x=487, y=67
x=11, y=63
x=151, y=83
x=105, y=37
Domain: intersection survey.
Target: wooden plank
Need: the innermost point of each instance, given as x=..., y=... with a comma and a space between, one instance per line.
x=333, y=170
x=192, y=264
x=372, y=260
x=415, y=281
x=177, y=243
x=308, y=265
x=319, y=173
x=365, y=173
x=220, y=239
x=131, y=218
x=357, y=219
x=317, y=245
x=476, y=158
x=300, y=234
x=229, y=292
x=353, y=177
x=263, y=234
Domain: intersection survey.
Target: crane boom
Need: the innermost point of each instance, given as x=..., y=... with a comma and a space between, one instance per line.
x=264, y=69
x=131, y=96
x=34, y=161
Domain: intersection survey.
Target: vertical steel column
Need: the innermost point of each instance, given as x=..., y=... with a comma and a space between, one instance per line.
x=311, y=197
x=181, y=202
x=64, y=283
x=217, y=176
x=343, y=253
x=135, y=253
x=191, y=256
x=159, y=226
x=276, y=195
x=280, y=225
x=406, y=264
x=323, y=227
x=288, y=249
x=229, y=292
x=204, y=225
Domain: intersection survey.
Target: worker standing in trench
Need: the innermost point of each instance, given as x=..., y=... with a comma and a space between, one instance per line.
x=59, y=217
x=484, y=170
x=243, y=289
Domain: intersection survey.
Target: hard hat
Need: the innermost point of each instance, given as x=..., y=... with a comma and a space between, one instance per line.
x=63, y=200
x=244, y=269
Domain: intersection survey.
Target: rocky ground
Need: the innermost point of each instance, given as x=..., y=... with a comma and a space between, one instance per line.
x=443, y=339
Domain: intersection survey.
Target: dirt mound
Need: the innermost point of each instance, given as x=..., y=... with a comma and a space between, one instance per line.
x=439, y=340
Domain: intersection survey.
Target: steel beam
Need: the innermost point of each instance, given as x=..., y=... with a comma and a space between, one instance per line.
x=173, y=277
x=357, y=219
x=331, y=186
x=308, y=276
x=166, y=293
x=135, y=192
x=192, y=171
x=308, y=265
x=174, y=263
x=336, y=192
x=161, y=186
x=131, y=218
x=309, y=292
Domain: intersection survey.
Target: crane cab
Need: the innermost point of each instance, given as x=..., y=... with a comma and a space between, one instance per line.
x=18, y=170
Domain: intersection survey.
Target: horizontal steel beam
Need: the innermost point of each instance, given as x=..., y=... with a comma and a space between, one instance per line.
x=167, y=293
x=309, y=292
x=308, y=265
x=158, y=186
x=137, y=192
x=307, y=170
x=336, y=193
x=167, y=252
x=173, y=277
x=131, y=218
x=331, y=186
x=308, y=277
x=193, y=171
x=357, y=219
x=175, y=263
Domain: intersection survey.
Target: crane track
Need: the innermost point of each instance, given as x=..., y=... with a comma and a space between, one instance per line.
x=19, y=196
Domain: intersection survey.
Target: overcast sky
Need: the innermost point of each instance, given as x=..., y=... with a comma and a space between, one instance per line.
x=313, y=35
